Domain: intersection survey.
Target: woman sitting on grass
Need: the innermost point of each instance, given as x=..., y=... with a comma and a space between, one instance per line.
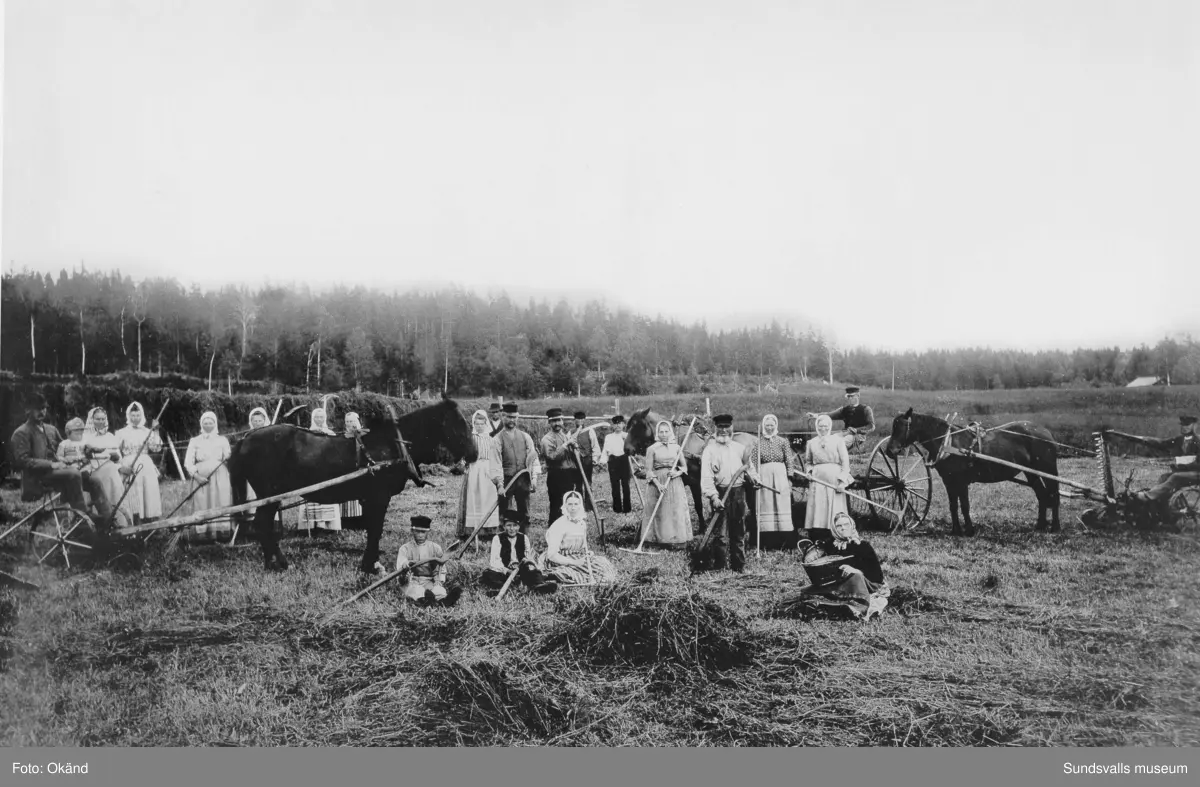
x=568, y=559
x=859, y=586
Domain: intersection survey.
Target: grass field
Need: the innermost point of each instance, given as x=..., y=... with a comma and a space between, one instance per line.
x=1085, y=638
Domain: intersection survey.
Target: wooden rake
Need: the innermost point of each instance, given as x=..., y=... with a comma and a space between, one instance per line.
x=661, y=495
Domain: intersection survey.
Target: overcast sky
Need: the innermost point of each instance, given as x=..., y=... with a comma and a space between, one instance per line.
x=905, y=174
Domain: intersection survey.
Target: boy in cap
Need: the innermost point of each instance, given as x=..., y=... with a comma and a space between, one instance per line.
x=511, y=550
x=426, y=582
x=517, y=453
x=858, y=419
x=618, y=465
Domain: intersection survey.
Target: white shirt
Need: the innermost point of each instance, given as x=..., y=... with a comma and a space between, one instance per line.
x=614, y=445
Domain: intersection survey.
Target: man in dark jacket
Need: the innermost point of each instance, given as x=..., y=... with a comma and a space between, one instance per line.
x=34, y=444
x=1185, y=447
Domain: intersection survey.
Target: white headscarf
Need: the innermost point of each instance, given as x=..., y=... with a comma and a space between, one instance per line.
x=135, y=406
x=825, y=419
x=91, y=421
x=487, y=422
x=312, y=422
x=266, y=417
x=774, y=420
x=216, y=424
x=670, y=432
x=582, y=512
x=853, y=538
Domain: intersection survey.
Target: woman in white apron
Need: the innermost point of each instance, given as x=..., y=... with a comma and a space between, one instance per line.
x=773, y=465
x=145, y=498
x=483, y=482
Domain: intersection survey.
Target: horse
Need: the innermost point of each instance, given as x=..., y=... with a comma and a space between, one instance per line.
x=277, y=459
x=1021, y=443
x=640, y=434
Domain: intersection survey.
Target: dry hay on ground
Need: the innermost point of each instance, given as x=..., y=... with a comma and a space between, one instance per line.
x=645, y=625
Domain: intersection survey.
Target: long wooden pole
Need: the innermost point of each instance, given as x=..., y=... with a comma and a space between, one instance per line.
x=587, y=486
x=848, y=493
x=507, y=582
x=216, y=513
x=636, y=485
x=175, y=454
x=976, y=455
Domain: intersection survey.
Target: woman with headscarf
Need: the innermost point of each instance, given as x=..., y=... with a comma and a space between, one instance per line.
x=136, y=439
x=258, y=419
x=205, y=462
x=772, y=467
x=567, y=558
x=856, y=584
x=103, y=471
x=828, y=461
x=483, y=482
x=325, y=517
x=672, y=524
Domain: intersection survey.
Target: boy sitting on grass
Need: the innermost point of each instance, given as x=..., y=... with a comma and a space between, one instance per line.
x=426, y=580
x=511, y=550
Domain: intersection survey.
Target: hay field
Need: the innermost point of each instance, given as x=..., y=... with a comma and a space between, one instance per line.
x=1086, y=638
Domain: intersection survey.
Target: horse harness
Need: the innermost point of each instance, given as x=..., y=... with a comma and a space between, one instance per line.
x=370, y=462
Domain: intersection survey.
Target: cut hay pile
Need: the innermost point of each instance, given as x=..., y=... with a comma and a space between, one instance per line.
x=640, y=625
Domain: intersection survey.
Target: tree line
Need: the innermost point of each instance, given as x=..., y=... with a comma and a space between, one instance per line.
x=86, y=322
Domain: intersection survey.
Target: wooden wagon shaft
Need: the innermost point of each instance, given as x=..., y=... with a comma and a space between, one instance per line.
x=216, y=513
x=1089, y=491
x=851, y=494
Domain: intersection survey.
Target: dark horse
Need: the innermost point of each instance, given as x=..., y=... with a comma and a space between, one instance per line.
x=277, y=459
x=640, y=434
x=1021, y=443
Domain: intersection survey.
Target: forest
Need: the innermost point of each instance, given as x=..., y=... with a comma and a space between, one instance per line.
x=87, y=323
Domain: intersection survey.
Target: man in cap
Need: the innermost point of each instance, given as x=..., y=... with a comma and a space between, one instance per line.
x=517, y=453
x=720, y=462
x=618, y=465
x=496, y=418
x=1185, y=472
x=511, y=550
x=858, y=419
x=562, y=472
x=426, y=582
x=589, y=453
x=34, y=449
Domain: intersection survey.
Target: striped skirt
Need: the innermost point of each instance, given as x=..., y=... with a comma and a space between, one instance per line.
x=326, y=517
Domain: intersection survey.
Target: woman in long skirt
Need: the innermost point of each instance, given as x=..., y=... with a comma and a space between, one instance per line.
x=828, y=461
x=672, y=524
x=773, y=463
x=567, y=558
x=103, y=473
x=145, y=499
x=351, y=510
x=483, y=483
x=205, y=462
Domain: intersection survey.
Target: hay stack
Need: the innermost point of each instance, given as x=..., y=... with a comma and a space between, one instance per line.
x=644, y=625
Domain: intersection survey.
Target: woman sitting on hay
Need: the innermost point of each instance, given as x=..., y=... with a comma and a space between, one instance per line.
x=567, y=558
x=845, y=573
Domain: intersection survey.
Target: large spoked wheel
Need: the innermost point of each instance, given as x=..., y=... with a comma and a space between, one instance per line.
x=62, y=534
x=903, y=484
x=1185, y=511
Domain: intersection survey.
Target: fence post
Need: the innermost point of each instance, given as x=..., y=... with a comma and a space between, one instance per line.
x=707, y=407
x=617, y=406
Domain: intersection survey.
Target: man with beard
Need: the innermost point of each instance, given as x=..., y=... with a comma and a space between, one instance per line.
x=720, y=462
x=517, y=453
x=34, y=445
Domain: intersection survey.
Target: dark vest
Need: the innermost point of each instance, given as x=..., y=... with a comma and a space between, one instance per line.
x=506, y=548
x=855, y=416
x=513, y=451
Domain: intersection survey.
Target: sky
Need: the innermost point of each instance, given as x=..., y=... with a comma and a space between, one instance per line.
x=902, y=175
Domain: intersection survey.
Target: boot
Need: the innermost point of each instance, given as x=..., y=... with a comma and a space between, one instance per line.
x=451, y=597
x=546, y=588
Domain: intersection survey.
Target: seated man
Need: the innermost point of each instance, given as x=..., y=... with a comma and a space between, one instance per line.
x=858, y=419
x=511, y=550
x=1185, y=472
x=34, y=447
x=427, y=575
